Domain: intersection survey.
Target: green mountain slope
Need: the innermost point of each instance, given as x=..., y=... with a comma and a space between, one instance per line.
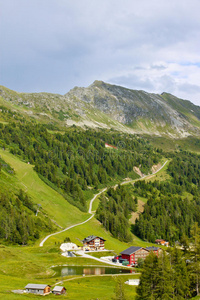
x=144, y=112
x=58, y=209
x=110, y=106
x=37, y=143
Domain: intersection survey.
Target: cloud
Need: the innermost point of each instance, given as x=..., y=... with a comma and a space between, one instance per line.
x=178, y=79
x=54, y=45
x=158, y=67
x=133, y=80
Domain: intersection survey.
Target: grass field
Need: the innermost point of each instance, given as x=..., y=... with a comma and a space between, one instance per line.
x=93, y=227
x=22, y=265
x=99, y=287
x=86, y=288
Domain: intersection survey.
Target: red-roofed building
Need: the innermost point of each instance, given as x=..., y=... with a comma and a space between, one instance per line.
x=155, y=250
x=110, y=146
x=162, y=242
x=133, y=253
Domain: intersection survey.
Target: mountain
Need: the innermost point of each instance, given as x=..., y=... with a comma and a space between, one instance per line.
x=110, y=106
x=50, y=172
x=142, y=111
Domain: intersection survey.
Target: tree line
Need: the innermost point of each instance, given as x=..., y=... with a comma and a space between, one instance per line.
x=76, y=159
x=174, y=274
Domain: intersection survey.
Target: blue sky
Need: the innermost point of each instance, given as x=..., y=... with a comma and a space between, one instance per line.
x=54, y=45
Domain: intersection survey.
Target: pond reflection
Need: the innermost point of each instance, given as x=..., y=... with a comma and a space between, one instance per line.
x=83, y=270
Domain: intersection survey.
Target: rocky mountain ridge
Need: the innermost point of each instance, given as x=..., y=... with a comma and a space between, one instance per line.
x=110, y=106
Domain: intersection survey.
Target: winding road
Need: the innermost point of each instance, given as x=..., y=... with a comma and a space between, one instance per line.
x=89, y=211
x=91, y=202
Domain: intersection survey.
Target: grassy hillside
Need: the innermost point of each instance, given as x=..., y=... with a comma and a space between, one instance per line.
x=185, y=107
x=57, y=208
x=31, y=263
x=53, y=204
x=93, y=227
x=22, y=265
x=189, y=143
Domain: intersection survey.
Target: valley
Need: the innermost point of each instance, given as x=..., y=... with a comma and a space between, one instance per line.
x=127, y=172
x=90, y=211
x=32, y=261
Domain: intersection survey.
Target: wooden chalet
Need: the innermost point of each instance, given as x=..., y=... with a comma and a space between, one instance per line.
x=59, y=290
x=110, y=146
x=162, y=242
x=93, y=242
x=133, y=253
x=40, y=289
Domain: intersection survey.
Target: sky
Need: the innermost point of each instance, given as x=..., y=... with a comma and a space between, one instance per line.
x=55, y=45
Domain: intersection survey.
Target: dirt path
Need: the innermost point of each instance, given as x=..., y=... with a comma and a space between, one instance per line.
x=136, y=214
x=90, y=206
x=83, y=254
x=91, y=201
x=48, y=236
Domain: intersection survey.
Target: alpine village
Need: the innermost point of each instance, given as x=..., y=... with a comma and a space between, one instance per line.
x=99, y=195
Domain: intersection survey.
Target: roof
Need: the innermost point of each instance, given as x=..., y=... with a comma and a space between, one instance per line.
x=152, y=248
x=159, y=240
x=106, y=144
x=130, y=250
x=36, y=286
x=58, y=288
x=92, y=237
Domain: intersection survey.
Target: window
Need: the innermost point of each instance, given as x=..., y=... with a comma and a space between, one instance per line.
x=97, y=242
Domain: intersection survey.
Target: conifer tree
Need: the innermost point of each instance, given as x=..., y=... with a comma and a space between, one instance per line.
x=181, y=282
x=195, y=257
x=164, y=288
x=165, y=277
x=119, y=290
x=147, y=289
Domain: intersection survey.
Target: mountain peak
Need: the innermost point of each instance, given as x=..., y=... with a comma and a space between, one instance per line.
x=142, y=111
x=98, y=83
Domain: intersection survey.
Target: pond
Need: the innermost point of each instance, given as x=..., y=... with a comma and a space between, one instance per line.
x=85, y=270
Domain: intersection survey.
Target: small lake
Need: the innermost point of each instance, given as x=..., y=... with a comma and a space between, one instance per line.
x=80, y=270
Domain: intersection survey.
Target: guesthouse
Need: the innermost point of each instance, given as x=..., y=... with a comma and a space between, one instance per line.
x=155, y=250
x=110, y=146
x=93, y=242
x=162, y=242
x=40, y=289
x=133, y=253
x=59, y=290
